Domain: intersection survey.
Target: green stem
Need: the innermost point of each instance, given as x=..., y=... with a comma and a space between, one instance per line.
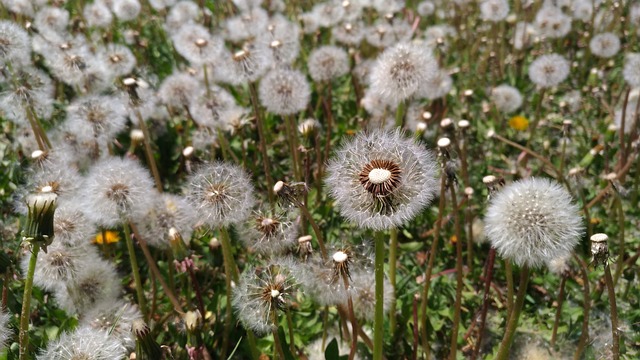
x=135, y=270
x=393, y=254
x=614, y=313
x=378, y=325
x=230, y=274
x=586, y=291
x=458, y=303
x=554, y=332
x=263, y=140
x=26, y=304
x=509, y=275
x=400, y=114
x=315, y=227
x=512, y=324
x=432, y=255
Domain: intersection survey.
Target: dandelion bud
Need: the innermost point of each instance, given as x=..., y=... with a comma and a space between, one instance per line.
x=192, y=320
x=214, y=244
x=566, y=127
x=493, y=184
x=446, y=124
x=39, y=227
x=304, y=246
x=188, y=151
x=308, y=127
x=178, y=247
x=289, y=194
x=443, y=147
x=145, y=344
x=599, y=249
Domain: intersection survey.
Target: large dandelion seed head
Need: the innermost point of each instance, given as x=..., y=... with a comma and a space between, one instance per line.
x=380, y=179
x=532, y=221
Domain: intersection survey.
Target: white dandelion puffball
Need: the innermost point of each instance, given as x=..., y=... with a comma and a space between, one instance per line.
x=549, y=70
x=381, y=179
x=532, y=221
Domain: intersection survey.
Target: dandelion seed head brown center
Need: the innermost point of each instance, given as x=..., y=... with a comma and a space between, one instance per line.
x=380, y=177
x=115, y=58
x=118, y=192
x=215, y=193
x=267, y=226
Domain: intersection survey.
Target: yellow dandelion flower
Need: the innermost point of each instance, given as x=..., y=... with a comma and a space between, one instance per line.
x=453, y=239
x=110, y=237
x=519, y=123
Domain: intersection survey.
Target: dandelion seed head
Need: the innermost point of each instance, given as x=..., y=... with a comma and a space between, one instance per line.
x=400, y=70
x=284, y=92
x=15, y=43
x=506, y=98
x=114, y=318
x=114, y=189
x=549, y=70
x=327, y=63
x=494, y=10
x=402, y=183
x=97, y=14
x=84, y=343
x=631, y=70
x=605, y=45
x=221, y=193
x=533, y=220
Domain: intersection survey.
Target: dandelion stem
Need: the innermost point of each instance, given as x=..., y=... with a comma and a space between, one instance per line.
x=488, y=276
x=400, y=114
x=509, y=275
x=614, y=312
x=148, y=152
x=293, y=146
x=135, y=270
x=156, y=272
x=586, y=292
x=26, y=303
x=512, y=323
x=458, y=304
x=230, y=274
x=393, y=254
x=326, y=102
x=378, y=325
x=536, y=119
x=352, y=318
x=554, y=332
x=621, y=247
x=263, y=141
x=292, y=346
x=316, y=229
x=432, y=255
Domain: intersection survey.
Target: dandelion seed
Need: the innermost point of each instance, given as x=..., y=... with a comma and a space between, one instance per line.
x=494, y=10
x=97, y=14
x=195, y=43
x=551, y=22
x=165, y=212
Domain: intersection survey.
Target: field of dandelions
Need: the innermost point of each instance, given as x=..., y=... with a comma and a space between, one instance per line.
x=282, y=179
